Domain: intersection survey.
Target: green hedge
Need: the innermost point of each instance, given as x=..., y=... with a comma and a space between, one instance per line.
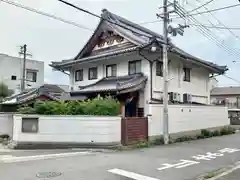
x=98, y=106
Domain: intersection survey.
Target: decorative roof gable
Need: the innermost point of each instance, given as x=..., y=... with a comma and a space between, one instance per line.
x=134, y=36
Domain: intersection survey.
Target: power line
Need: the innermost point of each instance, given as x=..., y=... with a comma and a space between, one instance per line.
x=208, y=2
x=232, y=78
x=220, y=22
x=215, y=27
x=211, y=10
x=237, y=50
x=194, y=14
x=206, y=32
x=46, y=14
x=104, y=18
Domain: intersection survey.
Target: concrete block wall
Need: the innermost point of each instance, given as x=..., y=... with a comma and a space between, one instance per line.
x=70, y=129
x=183, y=118
x=6, y=124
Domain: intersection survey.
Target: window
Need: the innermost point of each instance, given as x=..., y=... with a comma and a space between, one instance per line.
x=111, y=70
x=92, y=73
x=29, y=125
x=13, y=77
x=159, y=68
x=31, y=75
x=79, y=75
x=134, y=67
x=186, y=74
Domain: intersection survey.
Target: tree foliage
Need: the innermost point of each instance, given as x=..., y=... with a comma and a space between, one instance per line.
x=4, y=91
x=98, y=106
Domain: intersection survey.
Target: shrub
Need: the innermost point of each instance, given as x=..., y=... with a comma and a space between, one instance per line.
x=216, y=133
x=26, y=110
x=98, y=106
x=185, y=138
x=200, y=136
x=227, y=130
x=205, y=133
x=102, y=106
x=158, y=141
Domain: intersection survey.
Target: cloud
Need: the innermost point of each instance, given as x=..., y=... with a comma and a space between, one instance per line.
x=50, y=40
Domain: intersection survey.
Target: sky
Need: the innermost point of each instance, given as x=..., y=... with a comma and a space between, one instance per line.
x=51, y=40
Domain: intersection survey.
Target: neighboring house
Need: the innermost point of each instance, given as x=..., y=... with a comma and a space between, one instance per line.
x=11, y=72
x=226, y=96
x=117, y=61
x=46, y=92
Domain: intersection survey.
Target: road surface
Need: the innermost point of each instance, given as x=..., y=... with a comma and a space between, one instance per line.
x=183, y=161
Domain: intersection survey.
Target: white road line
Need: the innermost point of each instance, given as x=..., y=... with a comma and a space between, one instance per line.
x=131, y=175
x=40, y=157
x=5, y=156
x=5, y=150
x=187, y=163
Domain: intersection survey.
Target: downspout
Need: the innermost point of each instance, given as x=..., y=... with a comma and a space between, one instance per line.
x=151, y=79
x=151, y=74
x=237, y=101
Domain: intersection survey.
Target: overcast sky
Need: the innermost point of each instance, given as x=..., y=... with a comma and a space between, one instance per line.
x=51, y=40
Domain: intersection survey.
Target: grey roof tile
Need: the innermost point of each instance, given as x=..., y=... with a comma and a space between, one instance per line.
x=232, y=90
x=114, y=84
x=134, y=36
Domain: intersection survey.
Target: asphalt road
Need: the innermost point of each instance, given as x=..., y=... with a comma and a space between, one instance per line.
x=235, y=175
x=185, y=161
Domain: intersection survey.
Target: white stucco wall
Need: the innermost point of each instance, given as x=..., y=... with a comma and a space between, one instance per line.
x=70, y=129
x=187, y=118
x=6, y=124
x=10, y=66
x=199, y=85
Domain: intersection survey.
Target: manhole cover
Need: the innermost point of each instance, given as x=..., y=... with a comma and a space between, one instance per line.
x=48, y=174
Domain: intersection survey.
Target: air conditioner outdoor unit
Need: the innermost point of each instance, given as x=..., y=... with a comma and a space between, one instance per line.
x=173, y=96
x=178, y=97
x=187, y=98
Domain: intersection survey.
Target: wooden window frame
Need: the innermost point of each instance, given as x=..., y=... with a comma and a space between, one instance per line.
x=111, y=66
x=89, y=70
x=76, y=75
x=13, y=77
x=34, y=75
x=187, y=74
x=134, y=62
x=159, y=72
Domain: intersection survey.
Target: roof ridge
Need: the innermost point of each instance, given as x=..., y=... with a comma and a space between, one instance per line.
x=106, y=13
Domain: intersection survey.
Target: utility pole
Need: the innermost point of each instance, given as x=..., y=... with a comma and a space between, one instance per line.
x=165, y=71
x=23, y=51
x=167, y=29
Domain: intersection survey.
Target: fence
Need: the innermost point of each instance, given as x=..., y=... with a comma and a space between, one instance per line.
x=67, y=130
x=134, y=129
x=183, y=118
x=6, y=124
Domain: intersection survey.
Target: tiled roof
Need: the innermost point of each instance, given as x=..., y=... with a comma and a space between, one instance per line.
x=140, y=36
x=114, y=84
x=114, y=53
x=232, y=90
x=49, y=90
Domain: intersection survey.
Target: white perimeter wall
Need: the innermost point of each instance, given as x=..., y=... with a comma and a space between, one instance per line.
x=6, y=124
x=187, y=118
x=71, y=129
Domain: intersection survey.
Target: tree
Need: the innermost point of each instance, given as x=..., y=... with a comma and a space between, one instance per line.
x=4, y=91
